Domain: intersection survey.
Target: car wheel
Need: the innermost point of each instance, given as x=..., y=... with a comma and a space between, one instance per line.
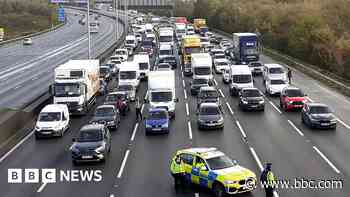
x=218, y=190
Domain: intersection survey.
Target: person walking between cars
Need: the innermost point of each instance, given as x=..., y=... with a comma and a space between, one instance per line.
x=138, y=109
x=178, y=171
x=289, y=75
x=267, y=180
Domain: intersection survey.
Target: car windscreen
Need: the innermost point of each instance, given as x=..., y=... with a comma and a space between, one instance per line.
x=294, y=93
x=49, y=116
x=255, y=64
x=165, y=39
x=130, y=41
x=202, y=71
x=221, y=162
x=104, y=111
x=165, y=52
x=161, y=96
x=90, y=136
x=212, y=110
x=189, y=50
x=156, y=115
x=251, y=93
x=67, y=89
x=127, y=75
x=125, y=88
x=277, y=82
x=320, y=110
x=199, y=81
x=242, y=78
x=276, y=70
x=143, y=66
x=114, y=97
x=209, y=94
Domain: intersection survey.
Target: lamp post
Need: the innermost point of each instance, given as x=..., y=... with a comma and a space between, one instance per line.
x=88, y=26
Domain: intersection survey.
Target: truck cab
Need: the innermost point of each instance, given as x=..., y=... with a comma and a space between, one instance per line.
x=202, y=66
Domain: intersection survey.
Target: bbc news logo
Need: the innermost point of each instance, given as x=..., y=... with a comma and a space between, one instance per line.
x=51, y=175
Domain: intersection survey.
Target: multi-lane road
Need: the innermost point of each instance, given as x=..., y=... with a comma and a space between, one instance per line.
x=27, y=71
x=139, y=165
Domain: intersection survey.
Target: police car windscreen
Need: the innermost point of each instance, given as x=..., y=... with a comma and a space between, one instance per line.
x=221, y=162
x=161, y=96
x=49, y=117
x=90, y=136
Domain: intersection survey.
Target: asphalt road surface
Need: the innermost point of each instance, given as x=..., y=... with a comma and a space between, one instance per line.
x=139, y=165
x=27, y=71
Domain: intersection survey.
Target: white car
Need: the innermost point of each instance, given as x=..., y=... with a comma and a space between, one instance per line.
x=275, y=86
x=27, y=41
x=122, y=53
x=220, y=65
x=225, y=45
x=226, y=76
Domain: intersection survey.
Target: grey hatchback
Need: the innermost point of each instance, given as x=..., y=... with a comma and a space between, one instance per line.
x=92, y=144
x=210, y=116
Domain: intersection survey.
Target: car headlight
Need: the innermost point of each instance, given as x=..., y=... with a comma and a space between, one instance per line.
x=165, y=125
x=37, y=128
x=244, y=101
x=262, y=101
x=231, y=182
x=221, y=120
x=100, y=149
x=110, y=122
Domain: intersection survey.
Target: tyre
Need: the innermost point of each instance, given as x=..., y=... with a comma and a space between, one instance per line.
x=218, y=190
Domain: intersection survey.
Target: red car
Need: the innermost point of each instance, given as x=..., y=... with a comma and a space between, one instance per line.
x=292, y=98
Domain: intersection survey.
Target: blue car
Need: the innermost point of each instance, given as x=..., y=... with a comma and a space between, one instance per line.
x=157, y=121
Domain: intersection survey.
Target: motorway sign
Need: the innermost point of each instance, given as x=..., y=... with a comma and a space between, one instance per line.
x=61, y=15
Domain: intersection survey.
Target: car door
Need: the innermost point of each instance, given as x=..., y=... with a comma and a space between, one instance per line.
x=200, y=174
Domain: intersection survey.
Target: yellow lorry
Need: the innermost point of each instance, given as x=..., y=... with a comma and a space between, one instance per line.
x=199, y=25
x=190, y=44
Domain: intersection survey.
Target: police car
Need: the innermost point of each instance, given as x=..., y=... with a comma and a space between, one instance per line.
x=211, y=168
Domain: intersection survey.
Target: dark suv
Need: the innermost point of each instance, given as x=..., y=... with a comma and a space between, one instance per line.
x=251, y=99
x=208, y=95
x=317, y=115
x=107, y=115
x=196, y=84
x=92, y=144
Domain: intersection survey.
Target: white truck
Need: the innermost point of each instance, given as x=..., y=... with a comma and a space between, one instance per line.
x=76, y=85
x=129, y=74
x=161, y=90
x=202, y=66
x=144, y=64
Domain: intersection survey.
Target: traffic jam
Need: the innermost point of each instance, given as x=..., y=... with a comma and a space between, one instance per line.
x=160, y=59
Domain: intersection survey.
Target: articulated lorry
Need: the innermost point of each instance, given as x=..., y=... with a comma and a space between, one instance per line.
x=246, y=47
x=161, y=90
x=76, y=85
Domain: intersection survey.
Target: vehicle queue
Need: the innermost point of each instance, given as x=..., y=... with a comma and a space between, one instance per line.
x=150, y=55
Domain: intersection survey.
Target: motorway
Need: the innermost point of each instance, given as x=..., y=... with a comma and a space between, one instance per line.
x=27, y=71
x=139, y=165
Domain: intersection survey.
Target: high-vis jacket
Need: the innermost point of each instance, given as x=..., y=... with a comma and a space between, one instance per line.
x=176, y=168
x=270, y=179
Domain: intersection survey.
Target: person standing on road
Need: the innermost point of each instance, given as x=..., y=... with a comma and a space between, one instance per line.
x=138, y=109
x=289, y=75
x=267, y=180
x=178, y=172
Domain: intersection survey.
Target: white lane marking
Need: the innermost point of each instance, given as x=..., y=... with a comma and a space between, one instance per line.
x=241, y=129
x=181, y=68
x=183, y=83
x=196, y=194
x=229, y=108
x=142, y=108
x=222, y=94
x=112, y=195
x=189, y=130
x=185, y=94
x=216, y=83
x=16, y=146
x=295, y=128
x=187, y=110
x=19, y=86
x=120, y=173
x=35, y=78
x=343, y=123
x=41, y=188
x=256, y=157
x=182, y=74
x=134, y=132
x=276, y=108
x=146, y=95
x=326, y=159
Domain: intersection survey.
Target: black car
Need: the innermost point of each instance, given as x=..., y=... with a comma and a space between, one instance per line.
x=92, y=144
x=215, y=39
x=208, y=95
x=210, y=116
x=170, y=59
x=251, y=99
x=107, y=115
x=317, y=115
x=196, y=84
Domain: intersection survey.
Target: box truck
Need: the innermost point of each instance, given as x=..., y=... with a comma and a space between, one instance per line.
x=246, y=47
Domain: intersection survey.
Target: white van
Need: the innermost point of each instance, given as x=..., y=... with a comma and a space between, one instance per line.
x=53, y=120
x=131, y=41
x=241, y=77
x=144, y=64
x=201, y=65
x=122, y=53
x=165, y=50
x=129, y=74
x=274, y=71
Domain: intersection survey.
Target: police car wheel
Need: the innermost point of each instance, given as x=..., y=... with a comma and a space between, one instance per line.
x=218, y=190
